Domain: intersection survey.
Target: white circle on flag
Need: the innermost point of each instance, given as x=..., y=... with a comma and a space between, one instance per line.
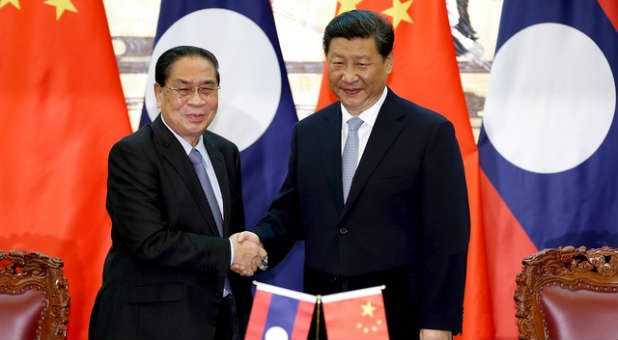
x=551, y=98
x=250, y=73
x=276, y=333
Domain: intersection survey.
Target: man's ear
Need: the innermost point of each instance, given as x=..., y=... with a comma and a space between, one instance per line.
x=389, y=63
x=157, y=90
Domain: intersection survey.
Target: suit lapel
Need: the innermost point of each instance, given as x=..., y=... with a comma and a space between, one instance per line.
x=387, y=127
x=178, y=159
x=330, y=148
x=218, y=163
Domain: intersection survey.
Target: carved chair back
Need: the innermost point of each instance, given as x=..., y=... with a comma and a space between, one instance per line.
x=34, y=297
x=568, y=293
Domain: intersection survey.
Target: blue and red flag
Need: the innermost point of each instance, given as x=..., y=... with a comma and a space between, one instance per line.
x=548, y=147
x=279, y=313
x=256, y=109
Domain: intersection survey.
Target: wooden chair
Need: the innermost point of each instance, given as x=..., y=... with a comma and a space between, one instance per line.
x=568, y=293
x=34, y=298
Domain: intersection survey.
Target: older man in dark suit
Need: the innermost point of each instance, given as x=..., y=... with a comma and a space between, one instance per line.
x=174, y=196
x=376, y=189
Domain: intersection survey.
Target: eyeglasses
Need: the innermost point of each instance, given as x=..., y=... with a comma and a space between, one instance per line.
x=187, y=92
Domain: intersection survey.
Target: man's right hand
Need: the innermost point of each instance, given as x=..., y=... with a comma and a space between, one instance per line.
x=248, y=253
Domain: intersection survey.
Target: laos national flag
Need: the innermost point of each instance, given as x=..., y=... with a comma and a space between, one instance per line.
x=256, y=110
x=549, y=145
x=279, y=313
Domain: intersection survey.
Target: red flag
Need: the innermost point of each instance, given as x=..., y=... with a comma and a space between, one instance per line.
x=425, y=71
x=357, y=314
x=61, y=108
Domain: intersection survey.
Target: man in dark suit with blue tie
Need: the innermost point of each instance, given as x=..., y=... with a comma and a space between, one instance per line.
x=174, y=196
x=376, y=189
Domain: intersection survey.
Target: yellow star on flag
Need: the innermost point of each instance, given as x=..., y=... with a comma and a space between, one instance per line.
x=399, y=12
x=12, y=2
x=368, y=309
x=348, y=5
x=61, y=6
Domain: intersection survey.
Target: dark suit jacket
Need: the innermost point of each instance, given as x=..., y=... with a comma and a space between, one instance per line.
x=163, y=276
x=405, y=224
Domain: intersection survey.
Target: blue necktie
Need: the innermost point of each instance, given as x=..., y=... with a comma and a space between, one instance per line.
x=349, y=159
x=198, y=165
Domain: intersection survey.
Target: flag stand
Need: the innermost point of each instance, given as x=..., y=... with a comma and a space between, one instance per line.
x=317, y=317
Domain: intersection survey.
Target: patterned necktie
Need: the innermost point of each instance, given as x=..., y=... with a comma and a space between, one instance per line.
x=198, y=165
x=350, y=155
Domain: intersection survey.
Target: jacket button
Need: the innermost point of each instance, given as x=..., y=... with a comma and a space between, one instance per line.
x=343, y=230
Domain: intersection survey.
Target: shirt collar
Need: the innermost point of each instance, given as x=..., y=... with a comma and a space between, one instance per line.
x=185, y=145
x=368, y=116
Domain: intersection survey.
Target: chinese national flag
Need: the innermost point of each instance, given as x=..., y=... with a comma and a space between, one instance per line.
x=357, y=314
x=425, y=71
x=62, y=108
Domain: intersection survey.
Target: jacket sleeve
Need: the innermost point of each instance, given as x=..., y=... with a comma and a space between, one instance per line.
x=237, y=223
x=281, y=226
x=446, y=229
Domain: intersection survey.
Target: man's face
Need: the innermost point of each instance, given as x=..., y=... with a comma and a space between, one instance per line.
x=189, y=113
x=357, y=72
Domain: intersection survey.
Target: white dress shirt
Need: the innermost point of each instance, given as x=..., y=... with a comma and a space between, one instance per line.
x=369, y=117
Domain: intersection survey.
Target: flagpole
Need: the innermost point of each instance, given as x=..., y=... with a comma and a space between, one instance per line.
x=317, y=317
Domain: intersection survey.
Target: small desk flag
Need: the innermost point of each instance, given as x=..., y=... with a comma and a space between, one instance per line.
x=279, y=313
x=357, y=314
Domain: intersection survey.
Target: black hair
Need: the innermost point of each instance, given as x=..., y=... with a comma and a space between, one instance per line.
x=165, y=61
x=361, y=24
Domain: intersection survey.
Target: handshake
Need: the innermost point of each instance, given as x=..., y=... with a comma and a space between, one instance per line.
x=249, y=253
